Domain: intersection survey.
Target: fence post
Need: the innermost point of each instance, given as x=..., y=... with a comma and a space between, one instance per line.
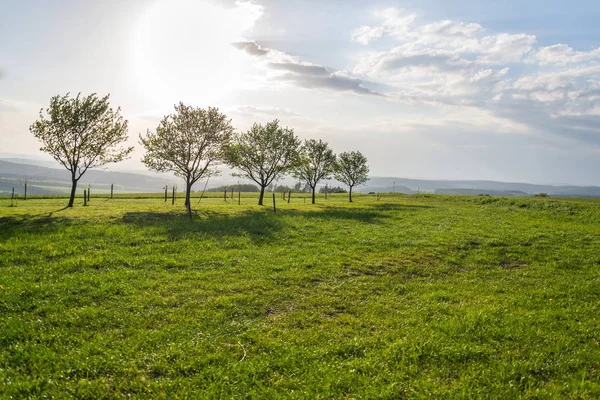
x=166, y=189
x=173, y=196
x=225, y=195
x=88, y=193
x=84, y=197
x=274, y=206
x=289, y=196
x=12, y=197
x=239, y=195
x=111, y=190
x=25, y=190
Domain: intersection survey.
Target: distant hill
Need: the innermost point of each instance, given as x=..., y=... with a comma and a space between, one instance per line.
x=478, y=192
x=379, y=184
x=43, y=180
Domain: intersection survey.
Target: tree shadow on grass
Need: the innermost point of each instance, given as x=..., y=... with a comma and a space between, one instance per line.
x=31, y=225
x=339, y=213
x=259, y=226
x=373, y=214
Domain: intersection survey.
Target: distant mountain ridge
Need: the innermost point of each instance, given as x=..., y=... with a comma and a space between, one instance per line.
x=43, y=180
x=494, y=188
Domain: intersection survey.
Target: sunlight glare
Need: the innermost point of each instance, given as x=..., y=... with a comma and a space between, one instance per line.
x=183, y=51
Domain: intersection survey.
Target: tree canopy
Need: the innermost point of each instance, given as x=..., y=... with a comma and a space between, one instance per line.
x=82, y=133
x=264, y=153
x=316, y=162
x=351, y=168
x=189, y=143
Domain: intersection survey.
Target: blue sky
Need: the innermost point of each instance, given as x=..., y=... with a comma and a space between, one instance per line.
x=505, y=90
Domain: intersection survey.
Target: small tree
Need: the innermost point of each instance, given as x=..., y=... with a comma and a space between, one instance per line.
x=82, y=133
x=316, y=162
x=264, y=153
x=351, y=168
x=188, y=143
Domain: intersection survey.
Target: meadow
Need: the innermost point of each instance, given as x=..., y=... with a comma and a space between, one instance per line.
x=421, y=296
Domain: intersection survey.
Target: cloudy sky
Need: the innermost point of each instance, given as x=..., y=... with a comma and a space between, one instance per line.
x=504, y=90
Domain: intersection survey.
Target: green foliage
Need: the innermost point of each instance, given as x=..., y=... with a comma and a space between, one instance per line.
x=264, y=153
x=316, y=162
x=82, y=133
x=410, y=297
x=351, y=168
x=189, y=143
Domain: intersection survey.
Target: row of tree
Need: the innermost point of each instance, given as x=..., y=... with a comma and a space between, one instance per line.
x=85, y=132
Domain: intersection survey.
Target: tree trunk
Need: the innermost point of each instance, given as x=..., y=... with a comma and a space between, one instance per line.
x=188, y=203
x=313, y=193
x=73, y=191
x=262, y=195
x=350, y=194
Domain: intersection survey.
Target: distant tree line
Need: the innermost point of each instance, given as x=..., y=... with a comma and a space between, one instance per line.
x=85, y=132
x=246, y=188
x=330, y=189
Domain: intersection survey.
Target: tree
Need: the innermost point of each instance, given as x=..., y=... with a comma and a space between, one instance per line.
x=264, y=153
x=82, y=133
x=189, y=143
x=351, y=168
x=316, y=162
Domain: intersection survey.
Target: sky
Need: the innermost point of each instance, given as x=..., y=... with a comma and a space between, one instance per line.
x=434, y=89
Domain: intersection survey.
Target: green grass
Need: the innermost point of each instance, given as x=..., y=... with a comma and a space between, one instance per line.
x=406, y=297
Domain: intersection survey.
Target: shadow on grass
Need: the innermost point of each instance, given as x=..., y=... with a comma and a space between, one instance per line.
x=374, y=214
x=259, y=226
x=336, y=213
x=31, y=224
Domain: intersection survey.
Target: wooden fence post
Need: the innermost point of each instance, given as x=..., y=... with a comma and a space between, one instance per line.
x=111, y=190
x=225, y=195
x=84, y=197
x=239, y=195
x=289, y=196
x=173, y=196
x=274, y=206
x=25, y=190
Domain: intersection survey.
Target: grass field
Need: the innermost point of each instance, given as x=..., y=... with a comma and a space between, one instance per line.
x=405, y=297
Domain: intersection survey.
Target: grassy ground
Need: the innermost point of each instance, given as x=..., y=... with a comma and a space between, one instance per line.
x=405, y=297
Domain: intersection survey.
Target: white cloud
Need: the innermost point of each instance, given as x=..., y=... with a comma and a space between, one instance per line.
x=562, y=55
x=366, y=34
x=461, y=65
